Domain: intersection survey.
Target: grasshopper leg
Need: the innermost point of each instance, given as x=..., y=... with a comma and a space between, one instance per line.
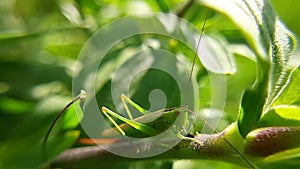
x=126, y=100
x=106, y=112
x=190, y=139
x=139, y=126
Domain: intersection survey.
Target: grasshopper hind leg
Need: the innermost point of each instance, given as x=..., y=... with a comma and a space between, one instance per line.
x=139, y=126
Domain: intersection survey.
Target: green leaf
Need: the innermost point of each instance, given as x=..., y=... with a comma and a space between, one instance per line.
x=237, y=82
x=240, y=13
x=61, y=142
x=215, y=56
x=283, y=116
x=15, y=106
x=163, y=5
x=291, y=112
x=290, y=93
x=285, y=159
x=283, y=43
x=285, y=110
x=154, y=63
x=248, y=16
x=252, y=107
x=24, y=141
x=272, y=44
x=73, y=116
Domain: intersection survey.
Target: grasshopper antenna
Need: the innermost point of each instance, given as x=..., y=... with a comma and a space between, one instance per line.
x=80, y=97
x=196, y=53
x=197, y=48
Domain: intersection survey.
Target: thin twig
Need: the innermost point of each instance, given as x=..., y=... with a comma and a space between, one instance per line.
x=81, y=97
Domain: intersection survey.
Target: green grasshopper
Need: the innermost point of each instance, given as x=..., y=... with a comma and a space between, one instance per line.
x=151, y=123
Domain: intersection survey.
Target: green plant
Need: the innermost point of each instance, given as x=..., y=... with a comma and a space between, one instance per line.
x=260, y=124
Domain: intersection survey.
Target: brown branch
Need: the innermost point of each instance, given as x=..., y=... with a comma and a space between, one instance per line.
x=203, y=146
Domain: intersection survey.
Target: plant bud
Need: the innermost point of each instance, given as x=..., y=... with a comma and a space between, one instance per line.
x=270, y=140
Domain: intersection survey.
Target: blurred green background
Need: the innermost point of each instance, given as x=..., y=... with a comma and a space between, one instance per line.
x=39, y=44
